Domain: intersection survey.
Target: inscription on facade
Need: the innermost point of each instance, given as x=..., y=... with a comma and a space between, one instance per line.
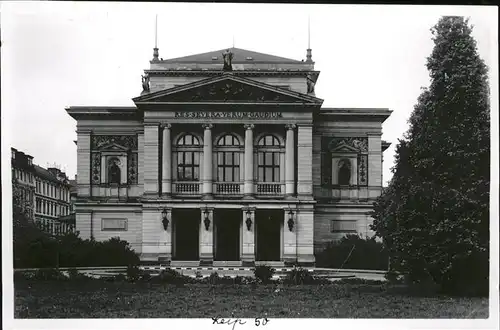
x=228, y=115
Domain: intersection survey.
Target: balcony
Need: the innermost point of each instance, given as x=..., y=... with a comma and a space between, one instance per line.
x=270, y=189
x=224, y=188
x=187, y=188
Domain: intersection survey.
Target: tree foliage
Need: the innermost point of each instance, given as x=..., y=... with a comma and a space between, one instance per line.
x=434, y=216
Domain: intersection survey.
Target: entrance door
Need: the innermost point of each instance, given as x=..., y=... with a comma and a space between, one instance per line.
x=227, y=231
x=268, y=227
x=186, y=231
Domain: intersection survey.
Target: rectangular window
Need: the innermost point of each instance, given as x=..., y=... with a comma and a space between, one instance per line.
x=114, y=224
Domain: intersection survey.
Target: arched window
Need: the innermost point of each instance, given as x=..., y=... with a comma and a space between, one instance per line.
x=344, y=173
x=114, y=171
x=228, y=159
x=268, y=165
x=188, y=158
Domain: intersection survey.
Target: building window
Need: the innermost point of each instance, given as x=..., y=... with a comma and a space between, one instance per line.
x=344, y=173
x=188, y=158
x=268, y=165
x=228, y=159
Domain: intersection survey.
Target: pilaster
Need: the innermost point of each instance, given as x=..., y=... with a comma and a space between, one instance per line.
x=83, y=163
x=248, y=238
x=166, y=238
x=167, y=162
x=151, y=161
x=206, y=237
x=305, y=237
x=290, y=160
x=290, y=238
x=304, y=162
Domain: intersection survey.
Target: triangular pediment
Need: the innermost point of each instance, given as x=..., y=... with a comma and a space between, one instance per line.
x=344, y=148
x=112, y=147
x=228, y=88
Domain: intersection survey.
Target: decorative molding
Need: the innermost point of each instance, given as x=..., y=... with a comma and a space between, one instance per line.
x=132, y=168
x=290, y=126
x=249, y=126
x=99, y=142
x=359, y=144
x=96, y=168
x=207, y=126
x=228, y=90
x=362, y=170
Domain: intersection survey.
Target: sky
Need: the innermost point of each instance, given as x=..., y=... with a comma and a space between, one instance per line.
x=56, y=55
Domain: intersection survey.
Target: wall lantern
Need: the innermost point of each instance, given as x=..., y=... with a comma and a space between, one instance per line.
x=164, y=217
x=290, y=220
x=249, y=220
x=206, y=221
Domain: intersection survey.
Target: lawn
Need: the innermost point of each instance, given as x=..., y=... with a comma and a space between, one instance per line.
x=99, y=299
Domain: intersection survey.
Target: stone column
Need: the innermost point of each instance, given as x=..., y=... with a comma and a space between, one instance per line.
x=290, y=238
x=248, y=239
x=289, y=159
x=151, y=152
x=167, y=162
x=206, y=238
x=207, y=161
x=166, y=239
x=249, y=190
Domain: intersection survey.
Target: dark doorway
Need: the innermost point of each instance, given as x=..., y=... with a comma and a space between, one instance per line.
x=268, y=234
x=186, y=230
x=227, y=234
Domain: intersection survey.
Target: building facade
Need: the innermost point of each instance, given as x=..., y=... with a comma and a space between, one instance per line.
x=44, y=192
x=227, y=158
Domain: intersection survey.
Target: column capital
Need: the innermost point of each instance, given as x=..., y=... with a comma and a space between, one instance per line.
x=166, y=125
x=249, y=126
x=290, y=126
x=207, y=126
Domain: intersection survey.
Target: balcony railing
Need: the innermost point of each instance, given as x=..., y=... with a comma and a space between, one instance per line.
x=228, y=188
x=187, y=188
x=269, y=189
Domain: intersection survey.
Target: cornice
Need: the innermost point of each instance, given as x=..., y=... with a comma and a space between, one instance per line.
x=250, y=73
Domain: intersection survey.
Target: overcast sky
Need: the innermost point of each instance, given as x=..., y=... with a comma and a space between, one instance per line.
x=56, y=55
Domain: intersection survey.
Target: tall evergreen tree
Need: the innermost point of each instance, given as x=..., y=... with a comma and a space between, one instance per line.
x=434, y=216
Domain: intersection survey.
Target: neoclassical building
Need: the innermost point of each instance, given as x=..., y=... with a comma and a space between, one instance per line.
x=227, y=158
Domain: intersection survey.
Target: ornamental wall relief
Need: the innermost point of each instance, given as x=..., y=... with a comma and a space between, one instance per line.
x=102, y=145
x=336, y=147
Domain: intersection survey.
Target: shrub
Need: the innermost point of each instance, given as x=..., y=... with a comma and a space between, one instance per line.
x=264, y=273
x=354, y=252
x=133, y=273
x=170, y=276
x=75, y=275
x=213, y=278
x=49, y=274
x=299, y=276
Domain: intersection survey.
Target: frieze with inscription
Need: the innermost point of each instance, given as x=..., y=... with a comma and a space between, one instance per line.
x=127, y=141
x=227, y=115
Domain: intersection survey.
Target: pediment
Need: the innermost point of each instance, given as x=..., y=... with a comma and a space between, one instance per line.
x=344, y=148
x=113, y=147
x=230, y=89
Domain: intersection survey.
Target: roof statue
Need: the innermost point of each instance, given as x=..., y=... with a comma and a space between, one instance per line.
x=310, y=84
x=228, y=58
x=145, y=83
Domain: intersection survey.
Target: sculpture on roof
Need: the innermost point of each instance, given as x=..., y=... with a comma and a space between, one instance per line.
x=228, y=58
x=310, y=84
x=145, y=83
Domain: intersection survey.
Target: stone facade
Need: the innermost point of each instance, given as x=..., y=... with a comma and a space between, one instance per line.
x=214, y=167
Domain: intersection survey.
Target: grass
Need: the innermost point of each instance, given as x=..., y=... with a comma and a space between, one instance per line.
x=99, y=299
